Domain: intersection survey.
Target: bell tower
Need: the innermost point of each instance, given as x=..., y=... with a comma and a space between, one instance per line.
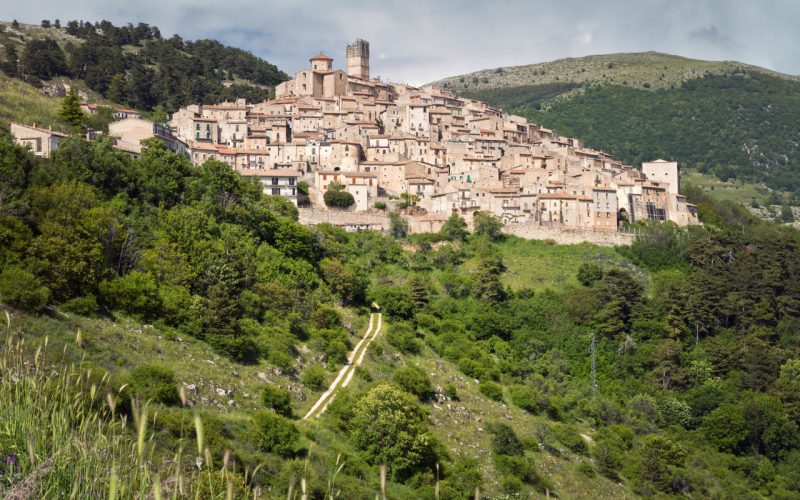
x=358, y=59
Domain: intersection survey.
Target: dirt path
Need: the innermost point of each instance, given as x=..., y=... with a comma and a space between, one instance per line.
x=355, y=358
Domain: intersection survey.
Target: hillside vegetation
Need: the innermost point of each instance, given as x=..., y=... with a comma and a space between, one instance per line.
x=192, y=320
x=727, y=119
x=134, y=65
x=652, y=70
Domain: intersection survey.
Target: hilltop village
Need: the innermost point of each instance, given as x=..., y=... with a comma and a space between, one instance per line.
x=438, y=154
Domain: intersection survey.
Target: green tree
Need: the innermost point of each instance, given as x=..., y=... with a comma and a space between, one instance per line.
x=505, y=440
x=390, y=428
x=487, y=225
x=414, y=380
x=273, y=433
x=335, y=196
x=589, y=273
x=662, y=462
x=786, y=214
x=70, y=111
x=20, y=288
x=454, y=228
x=488, y=285
x=156, y=383
x=278, y=399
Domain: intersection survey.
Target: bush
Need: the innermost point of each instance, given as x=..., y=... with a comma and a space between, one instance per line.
x=401, y=336
x=237, y=348
x=589, y=273
x=529, y=399
x=391, y=428
x=337, y=197
x=414, y=380
x=84, y=306
x=491, y=391
x=451, y=392
x=273, y=433
x=505, y=440
x=522, y=468
x=314, y=377
x=380, y=205
x=571, y=439
x=154, y=383
x=134, y=293
x=20, y=288
x=278, y=399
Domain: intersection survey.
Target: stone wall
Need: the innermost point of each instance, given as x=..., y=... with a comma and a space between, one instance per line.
x=311, y=216
x=530, y=231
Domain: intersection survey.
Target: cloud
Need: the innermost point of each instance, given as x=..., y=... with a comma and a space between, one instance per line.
x=417, y=41
x=712, y=35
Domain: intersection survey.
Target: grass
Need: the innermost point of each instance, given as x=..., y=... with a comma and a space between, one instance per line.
x=733, y=190
x=539, y=265
x=60, y=423
x=22, y=102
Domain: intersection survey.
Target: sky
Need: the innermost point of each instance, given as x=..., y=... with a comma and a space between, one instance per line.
x=420, y=41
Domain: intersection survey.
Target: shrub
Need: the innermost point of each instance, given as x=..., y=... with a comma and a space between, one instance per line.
x=314, y=377
x=491, y=391
x=273, y=433
x=134, y=293
x=504, y=439
x=155, y=383
x=20, y=288
x=529, y=399
x=589, y=273
x=326, y=317
x=84, y=306
x=380, y=205
x=337, y=197
x=278, y=399
x=401, y=336
x=451, y=392
x=414, y=380
x=238, y=348
x=391, y=428
x=571, y=439
x=523, y=468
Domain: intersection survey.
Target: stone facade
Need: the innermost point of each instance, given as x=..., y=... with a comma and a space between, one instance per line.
x=445, y=153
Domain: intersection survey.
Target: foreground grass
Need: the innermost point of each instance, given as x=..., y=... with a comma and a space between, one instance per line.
x=64, y=433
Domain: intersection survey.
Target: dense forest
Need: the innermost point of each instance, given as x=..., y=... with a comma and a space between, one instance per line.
x=734, y=126
x=696, y=335
x=134, y=65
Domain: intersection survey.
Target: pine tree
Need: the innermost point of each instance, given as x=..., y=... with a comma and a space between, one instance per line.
x=71, y=109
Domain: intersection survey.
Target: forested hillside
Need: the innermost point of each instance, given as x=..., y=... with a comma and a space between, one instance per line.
x=727, y=119
x=134, y=65
x=193, y=320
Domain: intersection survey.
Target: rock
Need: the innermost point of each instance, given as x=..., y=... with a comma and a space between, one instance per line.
x=230, y=402
x=210, y=362
x=220, y=391
x=262, y=376
x=192, y=388
x=277, y=371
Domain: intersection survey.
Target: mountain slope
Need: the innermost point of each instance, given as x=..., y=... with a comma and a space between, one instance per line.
x=729, y=119
x=652, y=70
x=134, y=65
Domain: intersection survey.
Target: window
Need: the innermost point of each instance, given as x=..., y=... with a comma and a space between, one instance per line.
x=276, y=191
x=291, y=181
x=274, y=181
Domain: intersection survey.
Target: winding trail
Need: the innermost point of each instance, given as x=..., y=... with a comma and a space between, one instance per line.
x=355, y=359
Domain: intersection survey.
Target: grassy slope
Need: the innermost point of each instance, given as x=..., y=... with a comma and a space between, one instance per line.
x=121, y=345
x=657, y=69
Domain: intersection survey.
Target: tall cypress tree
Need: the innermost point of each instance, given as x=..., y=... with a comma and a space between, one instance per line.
x=71, y=109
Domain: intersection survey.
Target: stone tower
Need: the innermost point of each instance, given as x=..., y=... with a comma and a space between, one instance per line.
x=358, y=59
